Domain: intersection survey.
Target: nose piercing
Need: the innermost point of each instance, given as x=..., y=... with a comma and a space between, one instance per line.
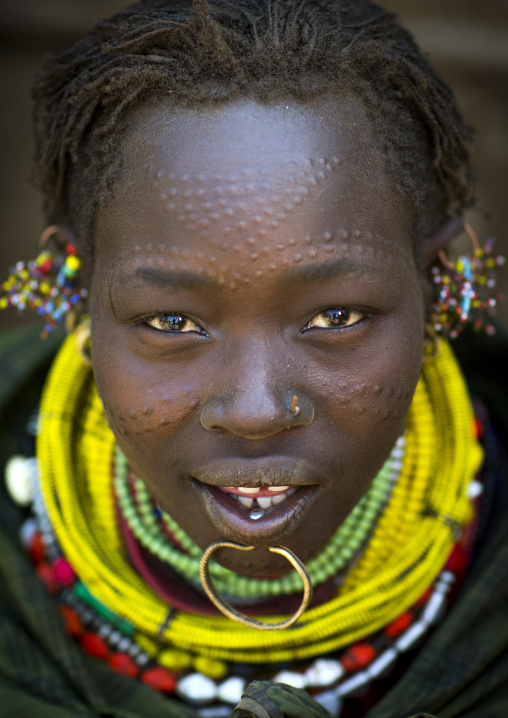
x=295, y=409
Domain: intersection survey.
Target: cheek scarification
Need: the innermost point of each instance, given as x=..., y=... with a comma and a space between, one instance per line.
x=151, y=418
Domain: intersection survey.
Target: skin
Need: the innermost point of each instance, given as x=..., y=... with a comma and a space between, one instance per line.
x=251, y=221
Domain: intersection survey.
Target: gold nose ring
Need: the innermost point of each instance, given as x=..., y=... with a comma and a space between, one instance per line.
x=228, y=610
x=295, y=409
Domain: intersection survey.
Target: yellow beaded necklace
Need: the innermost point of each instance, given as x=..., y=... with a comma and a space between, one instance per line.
x=410, y=544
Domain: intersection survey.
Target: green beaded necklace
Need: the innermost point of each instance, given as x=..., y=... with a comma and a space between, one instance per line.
x=343, y=546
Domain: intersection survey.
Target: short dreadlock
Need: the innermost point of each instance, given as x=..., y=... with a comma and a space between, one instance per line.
x=197, y=53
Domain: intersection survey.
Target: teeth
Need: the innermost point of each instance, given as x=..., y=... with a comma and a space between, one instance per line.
x=245, y=501
x=246, y=490
x=261, y=503
x=278, y=488
x=264, y=501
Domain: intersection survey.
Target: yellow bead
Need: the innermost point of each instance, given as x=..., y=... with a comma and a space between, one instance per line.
x=175, y=660
x=3, y=303
x=210, y=668
x=44, y=287
x=73, y=262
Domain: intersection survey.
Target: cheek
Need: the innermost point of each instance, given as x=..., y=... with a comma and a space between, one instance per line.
x=148, y=414
x=139, y=406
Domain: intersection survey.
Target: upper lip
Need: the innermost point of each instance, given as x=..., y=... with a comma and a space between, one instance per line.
x=253, y=473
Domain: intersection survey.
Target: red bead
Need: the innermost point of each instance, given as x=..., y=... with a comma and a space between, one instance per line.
x=458, y=561
x=70, y=249
x=478, y=428
x=46, y=267
x=122, y=663
x=72, y=624
x=94, y=645
x=63, y=572
x=45, y=573
x=358, y=657
x=36, y=549
x=160, y=679
x=399, y=625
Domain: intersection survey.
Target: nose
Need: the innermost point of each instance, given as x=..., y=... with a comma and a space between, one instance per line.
x=256, y=402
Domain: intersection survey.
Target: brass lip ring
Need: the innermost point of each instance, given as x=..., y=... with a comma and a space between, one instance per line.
x=227, y=609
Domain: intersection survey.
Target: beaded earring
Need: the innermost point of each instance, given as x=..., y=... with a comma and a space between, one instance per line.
x=465, y=290
x=46, y=285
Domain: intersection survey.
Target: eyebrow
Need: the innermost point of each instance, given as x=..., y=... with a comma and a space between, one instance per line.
x=173, y=279
x=341, y=267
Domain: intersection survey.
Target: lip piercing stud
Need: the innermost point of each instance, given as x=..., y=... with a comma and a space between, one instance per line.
x=295, y=410
x=256, y=514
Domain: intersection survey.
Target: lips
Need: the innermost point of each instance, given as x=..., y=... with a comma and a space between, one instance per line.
x=281, y=490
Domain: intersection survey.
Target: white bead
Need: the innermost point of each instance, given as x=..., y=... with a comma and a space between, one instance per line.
x=324, y=672
x=197, y=688
x=354, y=685
x=474, y=490
x=330, y=702
x=297, y=680
x=231, y=690
x=411, y=636
x=434, y=609
x=381, y=665
x=215, y=712
x=18, y=480
x=27, y=532
x=448, y=577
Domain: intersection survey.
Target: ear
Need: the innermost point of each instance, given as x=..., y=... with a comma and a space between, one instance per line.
x=440, y=240
x=58, y=235
x=431, y=246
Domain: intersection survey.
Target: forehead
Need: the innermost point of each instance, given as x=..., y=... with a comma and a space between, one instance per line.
x=253, y=173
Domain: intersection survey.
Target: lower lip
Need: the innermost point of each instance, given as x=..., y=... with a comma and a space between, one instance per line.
x=232, y=520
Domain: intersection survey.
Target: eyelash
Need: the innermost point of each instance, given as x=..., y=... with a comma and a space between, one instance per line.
x=338, y=317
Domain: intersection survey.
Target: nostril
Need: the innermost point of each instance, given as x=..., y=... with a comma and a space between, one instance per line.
x=253, y=417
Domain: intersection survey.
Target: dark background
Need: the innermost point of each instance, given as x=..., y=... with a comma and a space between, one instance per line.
x=466, y=39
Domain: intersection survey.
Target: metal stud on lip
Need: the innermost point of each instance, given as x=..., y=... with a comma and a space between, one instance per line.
x=228, y=610
x=256, y=513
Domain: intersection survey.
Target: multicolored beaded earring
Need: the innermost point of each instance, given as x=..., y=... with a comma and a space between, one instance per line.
x=464, y=291
x=47, y=285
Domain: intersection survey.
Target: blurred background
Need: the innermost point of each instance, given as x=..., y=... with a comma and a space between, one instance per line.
x=466, y=39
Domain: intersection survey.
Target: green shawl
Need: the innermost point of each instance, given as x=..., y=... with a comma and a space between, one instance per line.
x=461, y=671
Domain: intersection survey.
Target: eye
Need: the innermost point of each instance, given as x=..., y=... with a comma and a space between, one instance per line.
x=174, y=323
x=335, y=318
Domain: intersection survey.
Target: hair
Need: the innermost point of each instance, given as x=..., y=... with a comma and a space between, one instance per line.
x=193, y=54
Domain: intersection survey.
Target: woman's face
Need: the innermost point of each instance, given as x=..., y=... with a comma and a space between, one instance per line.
x=250, y=255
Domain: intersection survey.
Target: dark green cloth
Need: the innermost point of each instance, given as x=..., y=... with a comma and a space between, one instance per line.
x=462, y=671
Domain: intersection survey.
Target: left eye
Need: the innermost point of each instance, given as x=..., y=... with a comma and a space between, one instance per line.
x=174, y=324
x=334, y=318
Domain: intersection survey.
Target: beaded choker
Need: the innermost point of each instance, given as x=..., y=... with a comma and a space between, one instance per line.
x=406, y=552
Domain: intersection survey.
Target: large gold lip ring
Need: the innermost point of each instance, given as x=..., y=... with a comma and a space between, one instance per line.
x=227, y=609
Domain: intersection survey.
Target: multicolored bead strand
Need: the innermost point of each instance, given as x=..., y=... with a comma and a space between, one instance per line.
x=465, y=291
x=46, y=285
